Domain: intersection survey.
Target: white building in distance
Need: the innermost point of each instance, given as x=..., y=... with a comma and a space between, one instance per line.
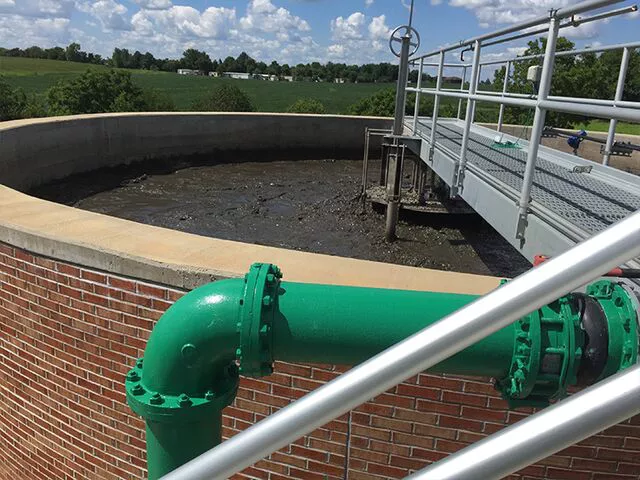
x=188, y=71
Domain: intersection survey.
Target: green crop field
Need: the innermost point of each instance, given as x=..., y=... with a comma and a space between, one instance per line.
x=35, y=76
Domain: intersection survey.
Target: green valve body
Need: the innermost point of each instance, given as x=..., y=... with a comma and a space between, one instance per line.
x=205, y=340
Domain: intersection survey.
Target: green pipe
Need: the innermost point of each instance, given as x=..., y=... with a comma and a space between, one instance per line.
x=347, y=325
x=199, y=347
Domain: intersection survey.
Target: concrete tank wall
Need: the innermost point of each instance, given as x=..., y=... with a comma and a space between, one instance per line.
x=36, y=151
x=80, y=292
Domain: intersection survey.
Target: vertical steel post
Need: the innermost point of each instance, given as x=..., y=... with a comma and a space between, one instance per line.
x=394, y=177
x=416, y=110
x=622, y=75
x=365, y=163
x=538, y=125
x=468, y=118
x=473, y=111
x=464, y=76
x=504, y=90
x=436, y=107
x=401, y=90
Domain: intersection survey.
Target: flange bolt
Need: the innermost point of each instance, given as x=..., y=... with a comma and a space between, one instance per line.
x=156, y=399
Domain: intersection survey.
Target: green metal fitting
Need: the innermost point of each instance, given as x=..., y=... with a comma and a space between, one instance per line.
x=257, y=308
x=201, y=344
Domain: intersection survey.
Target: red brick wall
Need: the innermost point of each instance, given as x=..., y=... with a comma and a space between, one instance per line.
x=69, y=335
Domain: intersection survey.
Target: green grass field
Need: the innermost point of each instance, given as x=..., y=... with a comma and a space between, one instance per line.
x=35, y=76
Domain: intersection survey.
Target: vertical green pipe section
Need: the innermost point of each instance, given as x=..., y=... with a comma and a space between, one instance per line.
x=188, y=375
x=172, y=444
x=347, y=325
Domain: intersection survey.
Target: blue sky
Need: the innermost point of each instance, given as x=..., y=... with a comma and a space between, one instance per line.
x=289, y=31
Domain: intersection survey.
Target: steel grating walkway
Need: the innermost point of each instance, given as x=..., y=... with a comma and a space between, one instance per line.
x=587, y=202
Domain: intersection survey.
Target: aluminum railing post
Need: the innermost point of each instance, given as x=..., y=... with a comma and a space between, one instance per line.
x=464, y=76
x=416, y=109
x=505, y=84
x=468, y=118
x=365, y=164
x=538, y=125
x=475, y=104
x=622, y=75
x=436, y=107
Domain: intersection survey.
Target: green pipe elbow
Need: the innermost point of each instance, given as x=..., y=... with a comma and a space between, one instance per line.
x=190, y=372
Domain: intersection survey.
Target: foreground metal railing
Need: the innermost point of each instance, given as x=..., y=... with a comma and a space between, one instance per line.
x=530, y=291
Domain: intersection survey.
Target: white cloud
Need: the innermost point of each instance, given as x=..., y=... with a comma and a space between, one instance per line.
x=264, y=16
x=154, y=4
x=368, y=3
x=38, y=8
x=110, y=14
x=378, y=30
x=355, y=40
x=508, y=11
x=349, y=28
x=182, y=22
x=22, y=32
x=337, y=51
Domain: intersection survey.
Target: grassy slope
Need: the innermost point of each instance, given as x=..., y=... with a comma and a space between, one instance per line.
x=36, y=75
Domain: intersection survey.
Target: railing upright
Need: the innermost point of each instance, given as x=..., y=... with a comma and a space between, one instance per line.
x=468, y=119
x=464, y=76
x=416, y=109
x=538, y=125
x=622, y=75
x=436, y=107
x=505, y=85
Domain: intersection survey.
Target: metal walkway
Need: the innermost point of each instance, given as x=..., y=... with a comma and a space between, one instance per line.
x=571, y=198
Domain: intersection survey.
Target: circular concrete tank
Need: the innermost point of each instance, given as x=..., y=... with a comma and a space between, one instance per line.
x=81, y=292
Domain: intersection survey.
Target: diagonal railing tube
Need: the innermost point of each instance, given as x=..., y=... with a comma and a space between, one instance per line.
x=545, y=433
x=539, y=286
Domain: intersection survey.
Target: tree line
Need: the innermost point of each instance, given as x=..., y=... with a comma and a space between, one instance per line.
x=588, y=75
x=199, y=60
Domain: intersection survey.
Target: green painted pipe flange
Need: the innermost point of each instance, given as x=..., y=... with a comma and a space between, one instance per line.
x=257, y=309
x=179, y=408
x=546, y=355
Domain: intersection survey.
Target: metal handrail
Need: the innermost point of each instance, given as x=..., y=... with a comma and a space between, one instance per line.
x=530, y=291
x=566, y=53
x=571, y=23
x=559, y=14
